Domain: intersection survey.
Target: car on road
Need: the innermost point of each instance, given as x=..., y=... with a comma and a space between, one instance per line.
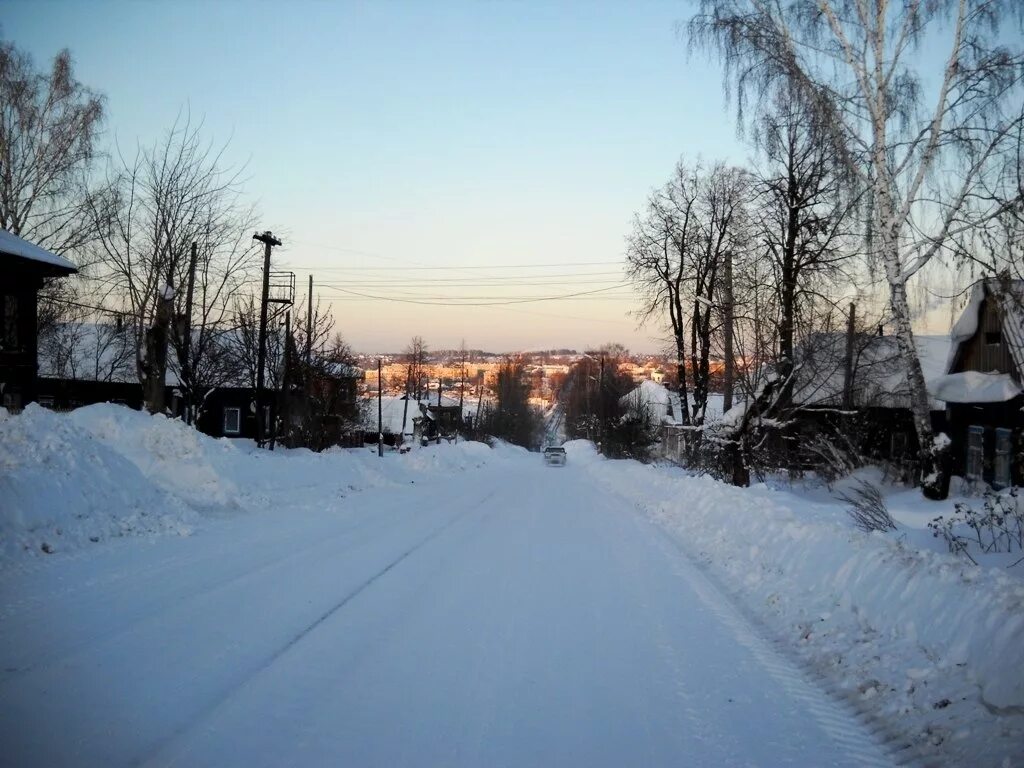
x=554, y=456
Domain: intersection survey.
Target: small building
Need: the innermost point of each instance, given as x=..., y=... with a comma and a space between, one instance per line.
x=983, y=385
x=445, y=416
x=24, y=269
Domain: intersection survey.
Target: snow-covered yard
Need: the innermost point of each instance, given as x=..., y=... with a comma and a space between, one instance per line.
x=167, y=598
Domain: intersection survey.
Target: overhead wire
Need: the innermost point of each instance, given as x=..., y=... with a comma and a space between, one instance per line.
x=447, y=301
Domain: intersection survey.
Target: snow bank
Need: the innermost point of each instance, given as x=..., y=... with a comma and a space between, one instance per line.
x=940, y=643
x=71, y=480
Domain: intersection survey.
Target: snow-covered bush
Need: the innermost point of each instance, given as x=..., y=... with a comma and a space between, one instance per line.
x=997, y=528
x=867, y=508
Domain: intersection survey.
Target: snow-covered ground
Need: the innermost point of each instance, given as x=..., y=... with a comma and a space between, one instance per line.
x=926, y=646
x=205, y=603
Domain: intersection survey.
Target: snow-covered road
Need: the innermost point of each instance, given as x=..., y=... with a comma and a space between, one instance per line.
x=512, y=615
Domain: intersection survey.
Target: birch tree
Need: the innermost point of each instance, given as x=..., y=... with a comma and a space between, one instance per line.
x=856, y=65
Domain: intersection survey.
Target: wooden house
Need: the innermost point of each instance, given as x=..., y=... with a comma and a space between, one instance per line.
x=24, y=268
x=983, y=385
x=856, y=387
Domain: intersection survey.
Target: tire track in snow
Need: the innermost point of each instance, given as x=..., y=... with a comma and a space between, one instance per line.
x=203, y=593
x=856, y=738
x=153, y=757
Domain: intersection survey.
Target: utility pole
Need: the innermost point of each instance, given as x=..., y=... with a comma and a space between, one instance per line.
x=282, y=409
x=601, y=398
x=479, y=397
x=729, y=374
x=462, y=386
x=186, y=363
x=309, y=325
x=439, y=380
x=268, y=240
x=848, y=363
x=408, y=394
x=380, y=412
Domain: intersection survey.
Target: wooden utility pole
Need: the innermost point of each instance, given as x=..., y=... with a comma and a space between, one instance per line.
x=380, y=412
x=408, y=394
x=309, y=325
x=479, y=398
x=186, y=363
x=268, y=240
x=729, y=374
x=462, y=386
x=848, y=362
x=282, y=400
x=604, y=410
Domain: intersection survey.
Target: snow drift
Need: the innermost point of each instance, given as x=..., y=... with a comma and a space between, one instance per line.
x=72, y=480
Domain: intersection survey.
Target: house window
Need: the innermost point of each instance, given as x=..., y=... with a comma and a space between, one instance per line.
x=232, y=421
x=975, y=453
x=9, y=336
x=1004, y=456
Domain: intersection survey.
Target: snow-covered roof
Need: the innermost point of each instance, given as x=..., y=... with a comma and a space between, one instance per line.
x=12, y=245
x=880, y=375
x=976, y=387
x=393, y=409
x=1010, y=295
x=343, y=370
x=665, y=406
x=89, y=352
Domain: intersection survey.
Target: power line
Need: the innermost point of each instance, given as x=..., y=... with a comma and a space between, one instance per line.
x=71, y=303
x=447, y=301
x=459, y=267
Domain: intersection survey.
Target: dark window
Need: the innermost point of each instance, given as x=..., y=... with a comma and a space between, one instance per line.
x=975, y=453
x=232, y=421
x=993, y=338
x=9, y=339
x=898, y=445
x=1004, y=457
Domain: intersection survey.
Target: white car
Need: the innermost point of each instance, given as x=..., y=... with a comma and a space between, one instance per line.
x=554, y=455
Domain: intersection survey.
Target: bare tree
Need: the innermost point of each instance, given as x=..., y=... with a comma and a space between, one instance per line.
x=679, y=249
x=852, y=63
x=803, y=213
x=172, y=194
x=416, y=358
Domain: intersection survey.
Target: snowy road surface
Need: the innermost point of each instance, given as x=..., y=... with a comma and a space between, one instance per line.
x=513, y=615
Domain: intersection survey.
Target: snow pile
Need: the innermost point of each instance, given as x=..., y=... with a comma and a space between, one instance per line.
x=62, y=487
x=930, y=647
x=976, y=387
x=69, y=481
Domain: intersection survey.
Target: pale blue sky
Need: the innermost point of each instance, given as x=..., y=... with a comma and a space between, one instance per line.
x=399, y=135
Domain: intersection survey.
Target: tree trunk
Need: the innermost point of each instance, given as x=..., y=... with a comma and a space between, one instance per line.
x=934, y=472
x=156, y=351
